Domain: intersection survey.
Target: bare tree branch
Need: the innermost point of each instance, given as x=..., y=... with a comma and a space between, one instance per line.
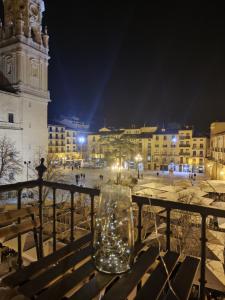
x=10, y=163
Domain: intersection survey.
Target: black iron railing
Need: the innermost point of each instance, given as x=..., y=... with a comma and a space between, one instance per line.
x=169, y=206
x=53, y=186
x=203, y=211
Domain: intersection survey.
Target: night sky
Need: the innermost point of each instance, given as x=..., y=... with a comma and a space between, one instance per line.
x=126, y=62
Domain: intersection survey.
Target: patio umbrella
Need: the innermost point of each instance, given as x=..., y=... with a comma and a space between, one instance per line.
x=217, y=185
x=171, y=196
x=171, y=188
x=221, y=205
x=183, y=183
x=148, y=192
x=214, y=276
x=152, y=185
x=206, y=187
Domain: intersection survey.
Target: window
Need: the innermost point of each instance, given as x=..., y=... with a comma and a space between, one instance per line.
x=11, y=118
x=50, y=136
x=56, y=136
x=201, y=146
x=194, y=153
x=157, y=138
x=201, y=153
x=194, y=146
x=157, y=145
x=165, y=138
x=50, y=128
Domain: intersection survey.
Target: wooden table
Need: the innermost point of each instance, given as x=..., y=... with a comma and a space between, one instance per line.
x=69, y=273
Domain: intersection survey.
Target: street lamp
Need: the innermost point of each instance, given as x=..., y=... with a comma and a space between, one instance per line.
x=27, y=163
x=138, y=159
x=117, y=168
x=81, y=141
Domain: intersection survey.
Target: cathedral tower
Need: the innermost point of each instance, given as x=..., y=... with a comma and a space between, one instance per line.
x=24, y=94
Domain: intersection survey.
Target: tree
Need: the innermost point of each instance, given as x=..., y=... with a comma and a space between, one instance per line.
x=10, y=163
x=118, y=148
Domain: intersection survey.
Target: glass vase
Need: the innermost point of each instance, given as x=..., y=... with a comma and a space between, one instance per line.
x=114, y=230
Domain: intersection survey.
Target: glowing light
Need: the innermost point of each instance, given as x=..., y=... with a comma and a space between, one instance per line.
x=138, y=158
x=174, y=139
x=81, y=139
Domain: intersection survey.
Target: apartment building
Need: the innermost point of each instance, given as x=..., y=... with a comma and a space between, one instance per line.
x=215, y=164
x=160, y=149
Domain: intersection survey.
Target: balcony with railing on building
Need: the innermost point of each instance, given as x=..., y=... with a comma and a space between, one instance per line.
x=184, y=153
x=11, y=125
x=184, y=137
x=184, y=145
x=59, y=236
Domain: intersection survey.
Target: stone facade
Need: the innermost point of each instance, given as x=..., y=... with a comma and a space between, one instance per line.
x=24, y=94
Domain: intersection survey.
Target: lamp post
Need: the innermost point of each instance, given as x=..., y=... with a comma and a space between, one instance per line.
x=138, y=159
x=27, y=163
x=81, y=141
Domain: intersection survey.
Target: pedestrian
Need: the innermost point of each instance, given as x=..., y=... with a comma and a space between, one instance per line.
x=72, y=168
x=84, y=176
x=194, y=176
x=81, y=175
x=157, y=173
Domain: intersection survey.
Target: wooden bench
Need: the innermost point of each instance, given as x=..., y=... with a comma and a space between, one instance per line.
x=69, y=273
x=14, y=223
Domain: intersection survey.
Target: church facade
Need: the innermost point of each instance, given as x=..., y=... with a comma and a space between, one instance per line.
x=24, y=94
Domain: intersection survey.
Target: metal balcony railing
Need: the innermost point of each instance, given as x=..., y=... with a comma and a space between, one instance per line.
x=8, y=125
x=169, y=206
x=185, y=145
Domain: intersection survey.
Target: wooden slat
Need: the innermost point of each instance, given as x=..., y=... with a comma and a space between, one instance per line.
x=182, y=283
x=11, y=231
x=127, y=283
x=12, y=215
x=158, y=279
x=24, y=274
x=101, y=281
x=94, y=287
x=38, y=283
x=61, y=287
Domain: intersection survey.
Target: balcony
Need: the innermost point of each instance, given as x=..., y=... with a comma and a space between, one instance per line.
x=7, y=125
x=70, y=271
x=184, y=154
x=184, y=145
x=184, y=137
